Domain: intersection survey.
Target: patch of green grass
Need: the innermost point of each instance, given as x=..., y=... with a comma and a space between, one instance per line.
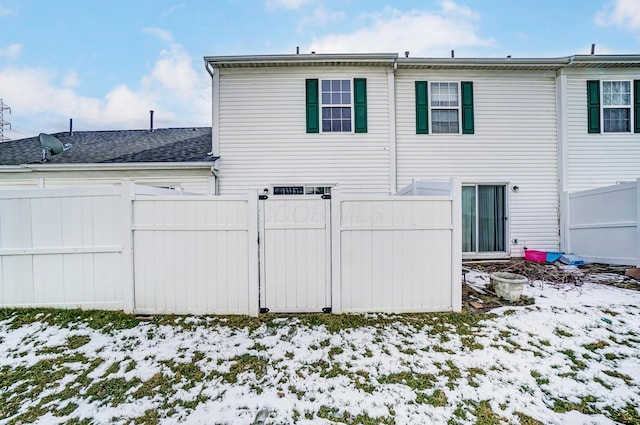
x=334, y=351
x=77, y=341
x=95, y=319
x=336, y=416
x=586, y=406
x=527, y=420
x=599, y=345
x=245, y=363
x=437, y=398
x=563, y=333
x=415, y=381
x=628, y=415
x=577, y=364
x=615, y=374
x=603, y=383
x=111, y=391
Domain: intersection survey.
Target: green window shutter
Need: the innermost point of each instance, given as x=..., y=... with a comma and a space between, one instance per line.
x=593, y=105
x=422, y=108
x=313, y=111
x=636, y=103
x=467, y=107
x=360, y=104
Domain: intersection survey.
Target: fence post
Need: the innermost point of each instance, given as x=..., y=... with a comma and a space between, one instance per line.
x=637, y=264
x=456, y=244
x=128, y=281
x=253, y=257
x=336, y=251
x=565, y=236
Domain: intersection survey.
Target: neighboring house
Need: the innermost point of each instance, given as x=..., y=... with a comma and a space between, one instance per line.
x=518, y=132
x=165, y=157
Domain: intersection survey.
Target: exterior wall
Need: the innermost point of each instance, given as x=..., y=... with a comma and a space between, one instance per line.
x=597, y=160
x=263, y=137
x=195, y=180
x=515, y=143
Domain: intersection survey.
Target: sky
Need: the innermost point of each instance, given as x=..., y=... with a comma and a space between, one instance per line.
x=107, y=63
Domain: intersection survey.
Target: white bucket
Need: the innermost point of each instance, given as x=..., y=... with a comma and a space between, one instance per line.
x=508, y=285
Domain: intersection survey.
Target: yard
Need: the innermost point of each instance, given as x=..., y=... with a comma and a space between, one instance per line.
x=572, y=357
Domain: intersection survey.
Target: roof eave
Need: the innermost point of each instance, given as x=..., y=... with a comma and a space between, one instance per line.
x=382, y=59
x=120, y=166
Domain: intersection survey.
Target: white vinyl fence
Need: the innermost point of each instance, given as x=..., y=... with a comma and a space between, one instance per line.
x=604, y=224
x=65, y=248
x=148, y=251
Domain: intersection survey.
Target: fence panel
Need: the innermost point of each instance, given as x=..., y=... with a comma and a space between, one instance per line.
x=64, y=248
x=398, y=254
x=192, y=254
x=603, y=224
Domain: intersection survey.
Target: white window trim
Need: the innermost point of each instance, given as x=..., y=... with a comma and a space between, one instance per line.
x=458, y=108
x=351, y=105
x=630, y=106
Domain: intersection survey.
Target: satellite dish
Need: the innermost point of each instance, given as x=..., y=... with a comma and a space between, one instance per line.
x=52, y=146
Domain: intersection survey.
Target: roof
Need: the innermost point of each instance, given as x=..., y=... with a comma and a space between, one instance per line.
x=168, y=145
x=392, y=59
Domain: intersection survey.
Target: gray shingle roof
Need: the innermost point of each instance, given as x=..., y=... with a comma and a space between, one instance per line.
x=116, y=146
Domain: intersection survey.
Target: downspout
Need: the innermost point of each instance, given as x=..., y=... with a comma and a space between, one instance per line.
x=215, y=112
x=391, y=84
x=563, y=158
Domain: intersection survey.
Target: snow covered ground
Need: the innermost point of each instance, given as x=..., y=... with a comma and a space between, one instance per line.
x=571, y=358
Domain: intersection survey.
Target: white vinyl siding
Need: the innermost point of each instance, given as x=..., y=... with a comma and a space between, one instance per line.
x=597, y=160
x=515, y=143
x=263, y=139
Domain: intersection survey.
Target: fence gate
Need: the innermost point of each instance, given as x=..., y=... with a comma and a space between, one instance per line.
x=295, y=253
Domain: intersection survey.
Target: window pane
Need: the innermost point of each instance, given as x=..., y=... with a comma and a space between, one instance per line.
x=346, y=98
x=326, y=85
x=346, y=112
x=326, y=125
x=445, y=121
x=617, y=120
x=326, y=98
x=336, y=112
x=346, y=125
x=326, y=113
x=616, y=93
x=335, y=98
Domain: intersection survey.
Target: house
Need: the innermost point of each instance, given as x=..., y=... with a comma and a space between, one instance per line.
x=518, y=132
x=166, y=157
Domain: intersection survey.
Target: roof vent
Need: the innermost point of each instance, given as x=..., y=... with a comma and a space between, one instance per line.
x=151, y=121
x=593, y=48
x=406, y=53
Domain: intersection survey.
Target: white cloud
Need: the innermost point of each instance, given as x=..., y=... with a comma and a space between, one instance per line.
x=174, y=8
x=44, y=100
x=11, y=51
x=423, y=33
x=163, y=35
x=287, y=4
x=6, y=11
x=623, y=13
x=321, y=17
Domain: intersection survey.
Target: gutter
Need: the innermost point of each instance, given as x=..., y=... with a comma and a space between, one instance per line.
x=105, y=167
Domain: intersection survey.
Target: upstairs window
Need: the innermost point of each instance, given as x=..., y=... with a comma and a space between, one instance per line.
x=616, y=106
x=613, y=106
x=445, y=108
x=336, y=105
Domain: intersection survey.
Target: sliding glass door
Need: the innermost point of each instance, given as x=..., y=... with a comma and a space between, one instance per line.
x=484, y=216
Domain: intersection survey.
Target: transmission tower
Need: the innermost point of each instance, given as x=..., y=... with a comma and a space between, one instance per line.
x=3, y=123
